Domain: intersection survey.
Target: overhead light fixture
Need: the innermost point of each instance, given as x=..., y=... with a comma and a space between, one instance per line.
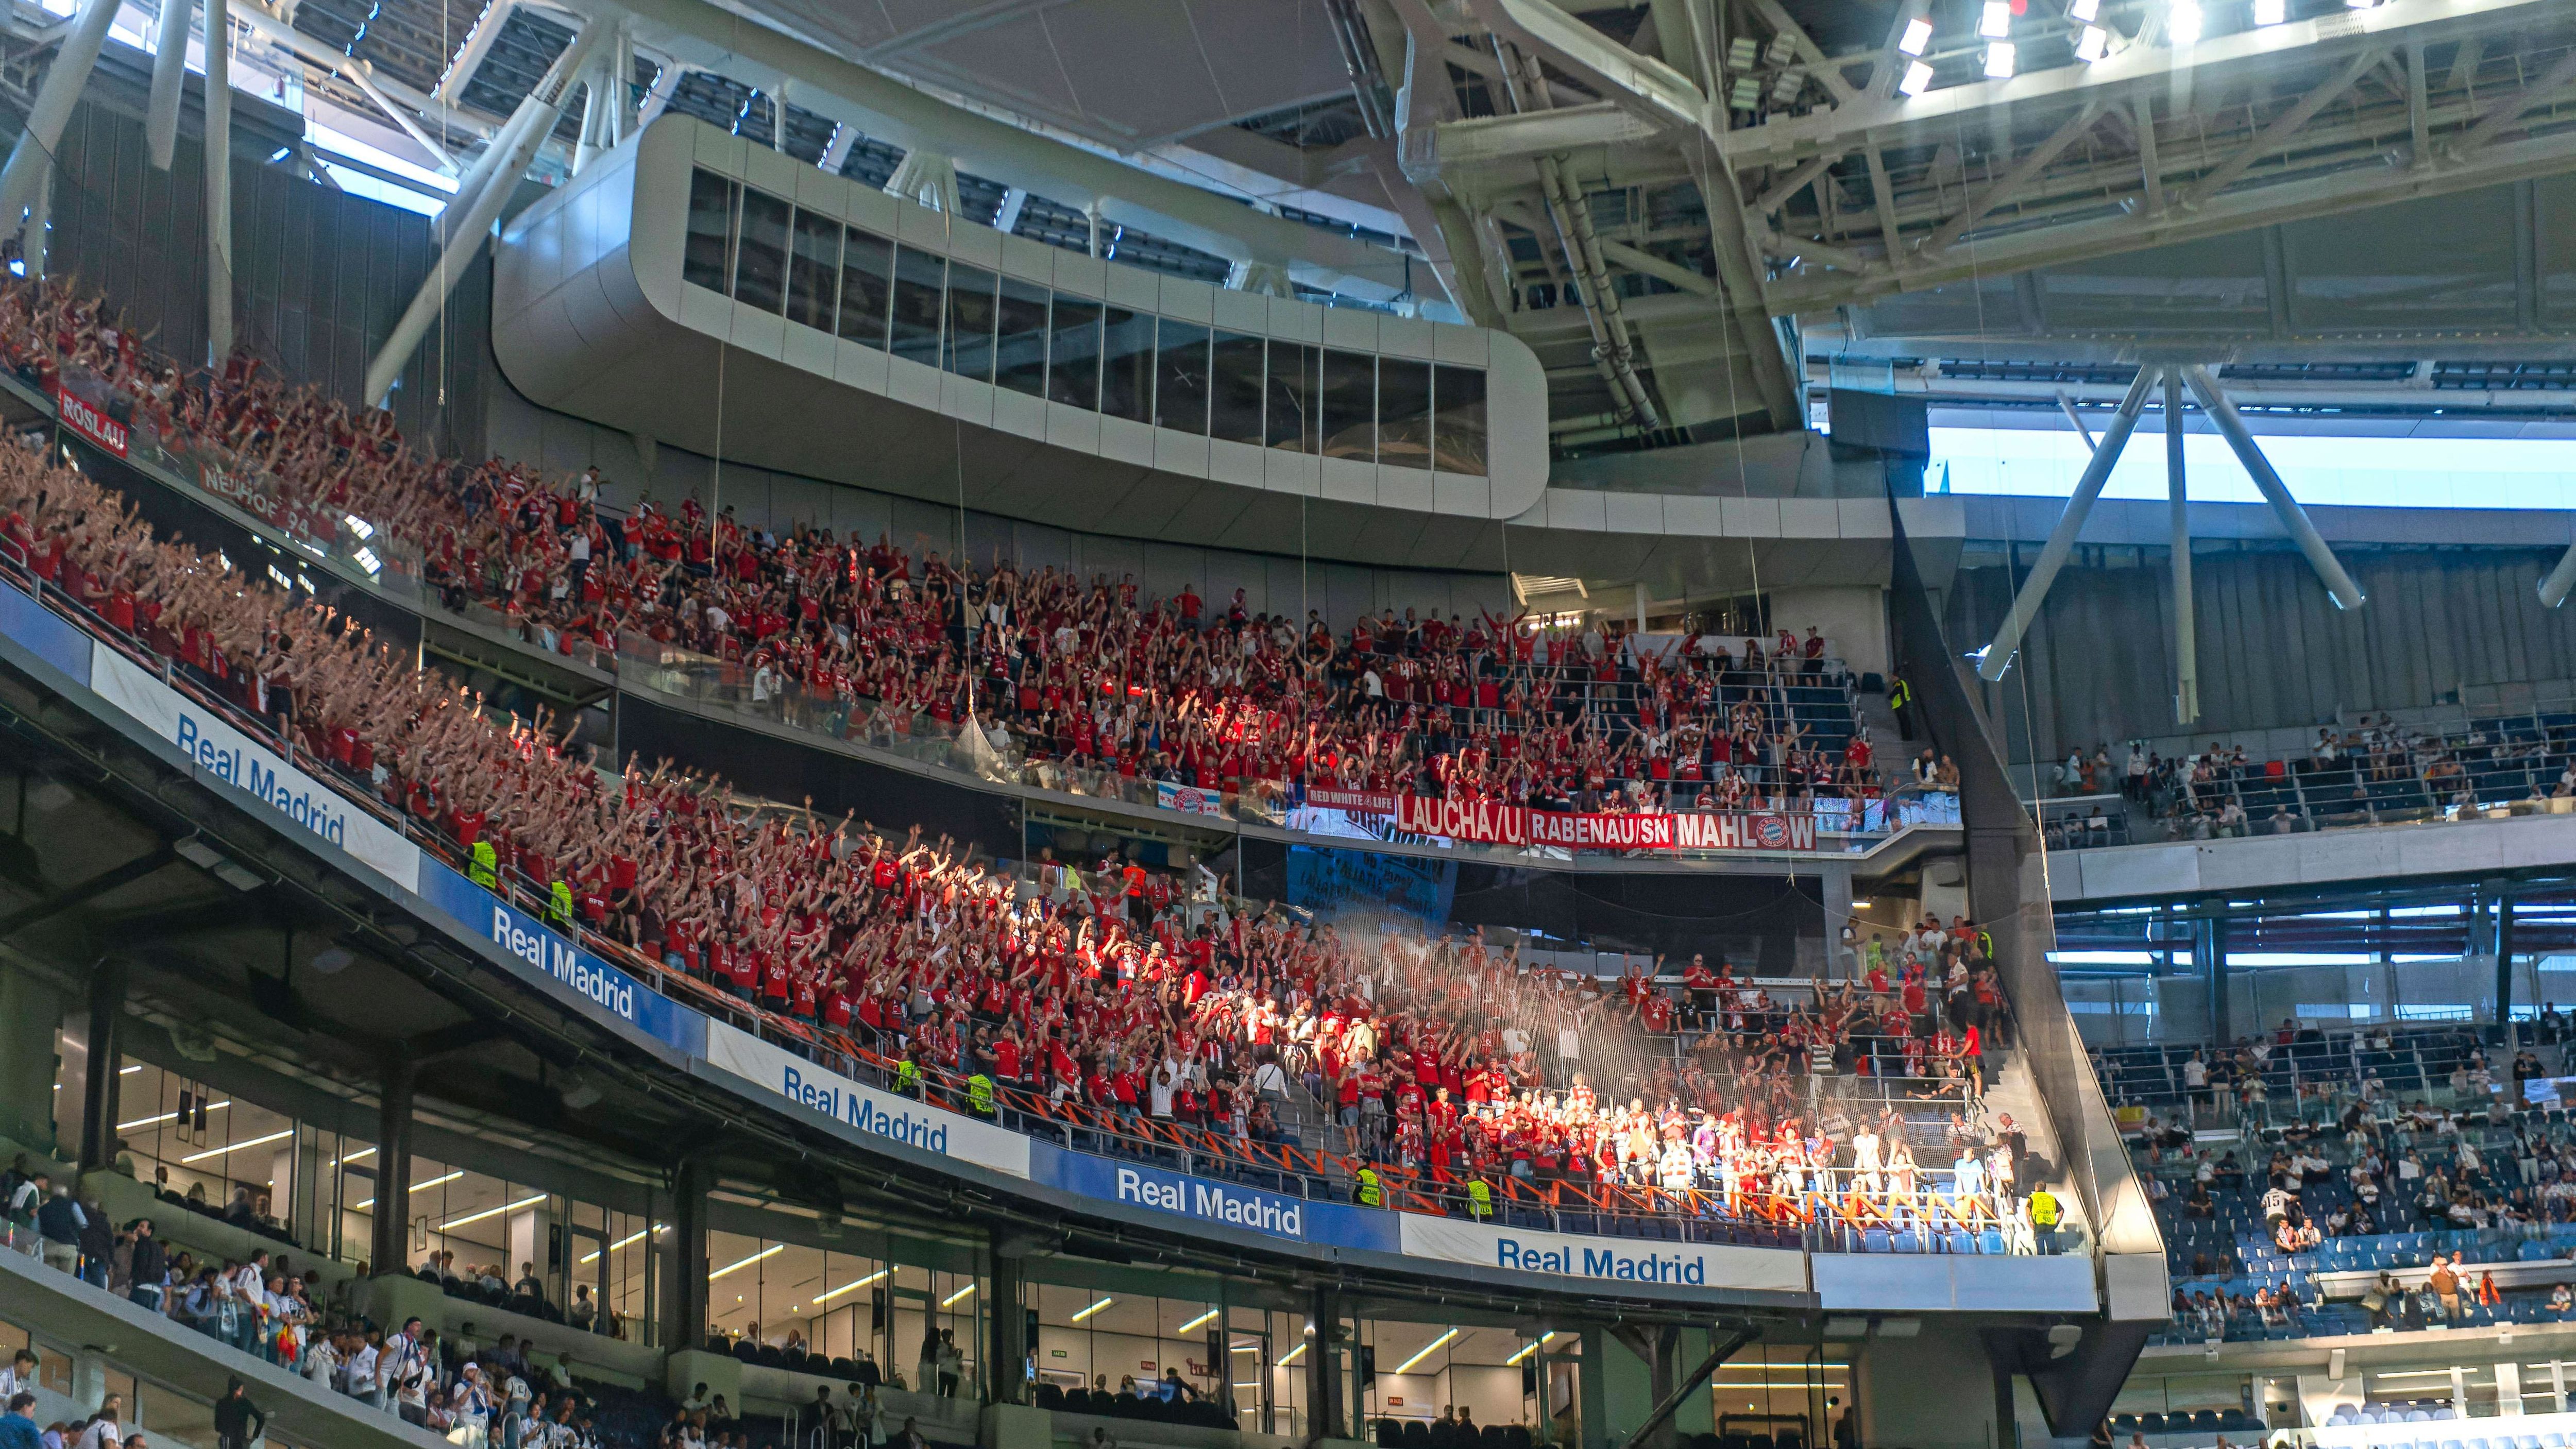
x=2093, y=44
x=1918, y=34
x=354, y=1156
x=1428, y=1349
x=129, y=1071
x=1918, y=79
x=772, y=1251
x=953, y=1299
x=1294, y=1354
x=853, y=1286
x=471, y=1218
x=441, y=1180
x=1999, y=60
x=1094, y=1308
x=621, y=1245
x=1516, y=1360
x=2182, y=23
x=240, y=1146
x=2084, y=10
x=1996, y=21
x=1202, y=1321
x=2359, y=4
x=2271, y=12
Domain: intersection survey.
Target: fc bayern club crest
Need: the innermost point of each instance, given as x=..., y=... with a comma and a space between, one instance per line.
x=1771, y=832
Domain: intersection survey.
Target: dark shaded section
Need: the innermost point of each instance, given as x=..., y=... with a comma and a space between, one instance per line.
x=781, y=770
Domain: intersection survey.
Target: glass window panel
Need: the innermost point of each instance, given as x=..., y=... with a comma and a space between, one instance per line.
x=1073, y=359
x=867, y=287
x=814, y=271
x=970, y=321
x=1403, y=413
x=919, y=278
x=1181, y=377
x=1350, y=405
x=707, y=258
x=1127, y=365
x=1020, y=350
x=1235, y=394
x=1292, y=422
x=1458, y=434
x=760, y=259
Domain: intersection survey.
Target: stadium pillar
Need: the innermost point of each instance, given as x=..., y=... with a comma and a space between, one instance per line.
x=1592, y=1390
x=106, y=1055
x=169, y=79
x=31, y=1035
x=1840, y=961
x=2178, y=516
x=1006, y=1355
x=389, y=1241
x=2499, y=897
x=2211, y=946
x=2294, y=519
x=479, y=198
x=219, y=185
x=2061, y=539
x=684, y=1302
x=33, y=156
x=1324, y=1368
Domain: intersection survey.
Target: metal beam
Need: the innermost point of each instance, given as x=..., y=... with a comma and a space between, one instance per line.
x=2282, y=127
x=2554, y=589
x=497, y=174
x=2507, y=113
x=1653, y=90
x=1656, y=1417
x=2222, y=413
x=115, y=876
x=2011, y=183
x=1779, y=192
x=169, y=79
x=2178, y=516
x=478, y=44
x=1820, y=65
x=2238, y=58
x=2075, y=420
x=33, y=156
x=1742, y=304
x=2061, y=539
x=219, y=182
x=706, y=36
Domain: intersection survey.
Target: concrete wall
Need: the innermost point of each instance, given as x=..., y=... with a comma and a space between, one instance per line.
x=31, y=1020
x=1853, y=621
x=1895, y=1374
x=2362, y=853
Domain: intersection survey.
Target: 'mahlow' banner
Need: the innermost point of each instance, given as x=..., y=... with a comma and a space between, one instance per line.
x=1495, y=823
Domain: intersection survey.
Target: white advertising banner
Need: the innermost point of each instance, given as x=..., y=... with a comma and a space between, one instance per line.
x=883, y=1114
x=1651, y=1261
x=226, y=754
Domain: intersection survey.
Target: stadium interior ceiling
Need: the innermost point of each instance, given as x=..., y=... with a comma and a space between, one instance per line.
x=1756, y=196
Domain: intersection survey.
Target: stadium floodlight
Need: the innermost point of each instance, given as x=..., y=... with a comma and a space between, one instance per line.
x=2084, y=10
x=2182, y=23
x=2271, y=12
x=2093, y=44
x=1918, y=35
x=1918, y=79
x=1996, y=23
x=1999, y=60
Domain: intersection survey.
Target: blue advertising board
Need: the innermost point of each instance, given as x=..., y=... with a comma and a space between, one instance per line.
x=532, y=941
x=1230, y=1204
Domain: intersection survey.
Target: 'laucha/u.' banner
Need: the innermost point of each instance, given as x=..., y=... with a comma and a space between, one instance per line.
x=1495, y=823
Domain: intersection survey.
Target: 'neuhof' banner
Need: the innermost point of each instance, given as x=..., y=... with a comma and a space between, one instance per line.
x=1495, y=823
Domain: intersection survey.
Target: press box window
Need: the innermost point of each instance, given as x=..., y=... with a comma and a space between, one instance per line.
x=919, y=281
x=867, y=287
x=1020, y=350
x=814, y=271
x=1235, y=393
x=1073, y=356
x=1458, y=420
x=760, y=258
x=707, y=258
x=970, y=321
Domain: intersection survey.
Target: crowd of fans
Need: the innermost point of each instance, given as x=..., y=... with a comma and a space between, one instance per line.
x=1080, y=679
x=2373, y=770
x=2488, y=1179
x=495, y=1395
x=1109, y=987
x=1103, y=987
